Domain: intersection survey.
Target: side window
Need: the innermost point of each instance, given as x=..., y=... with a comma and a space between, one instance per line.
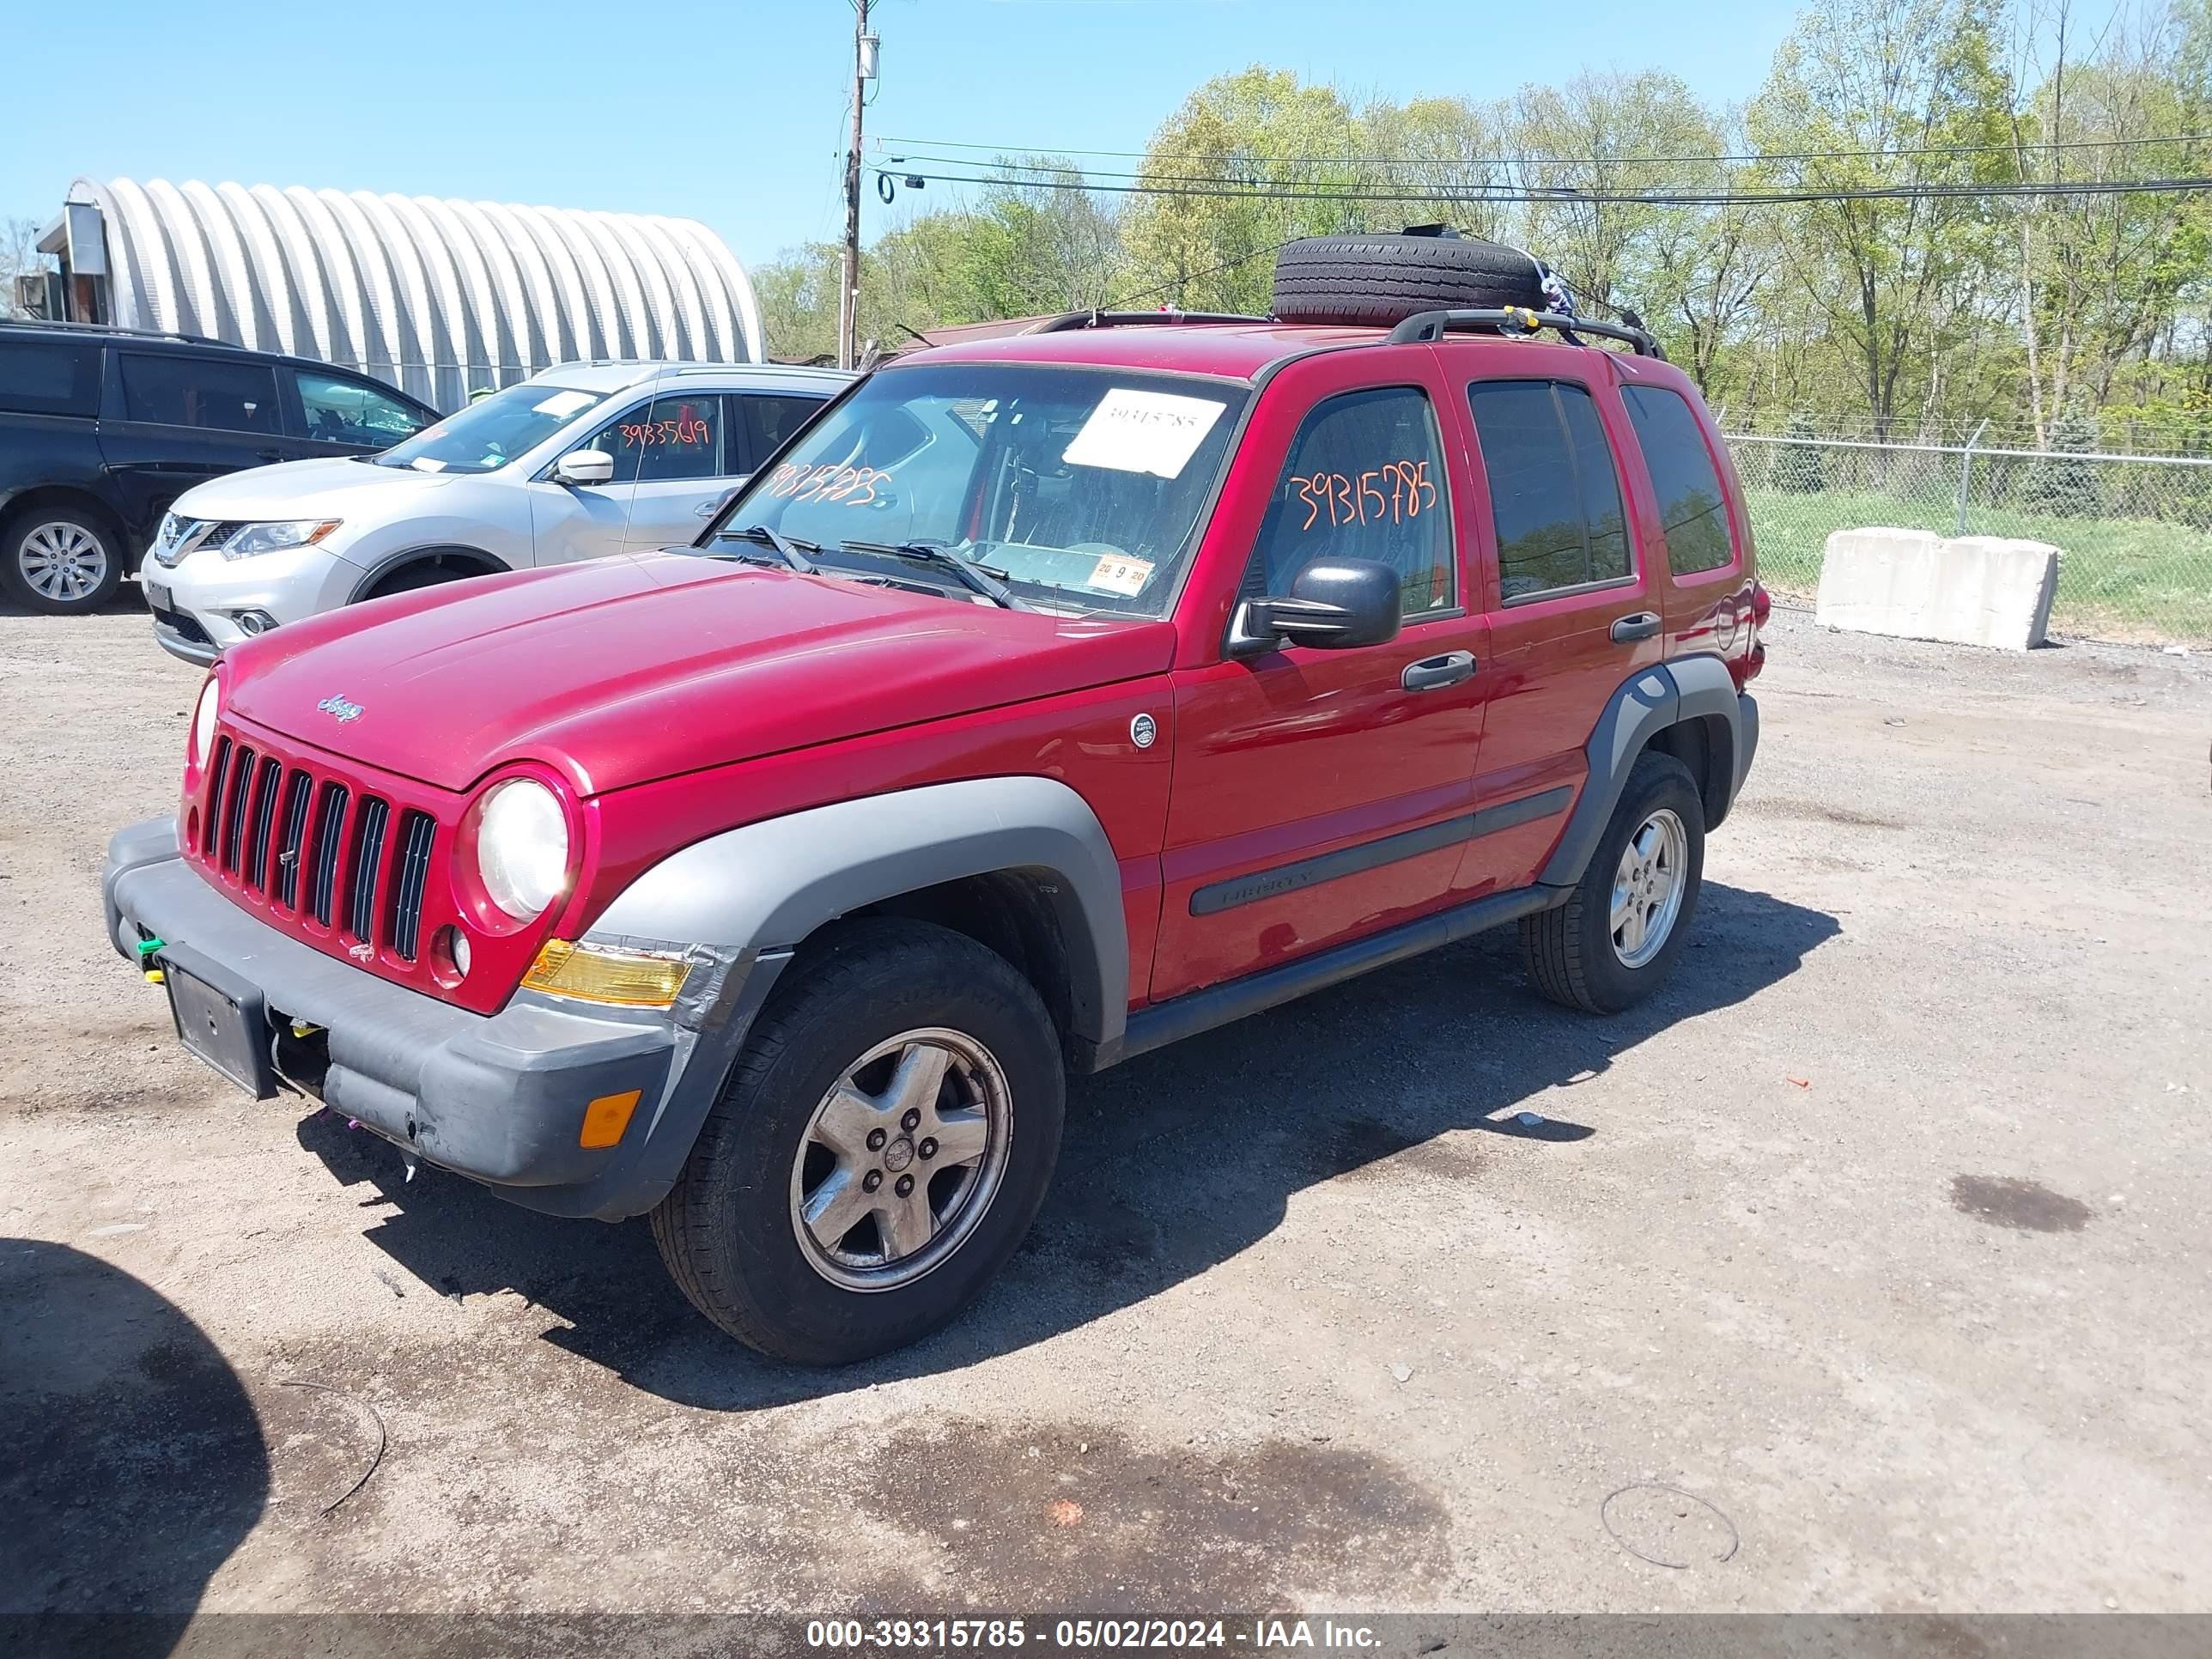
x=617, y=438
x=1365, y=479
x=668, y=439
x=340, y=410
x=1690, y=509
x=38, y=378
x=180, y=391
x=1554, y=497
x=759, y=423
x=679, y=439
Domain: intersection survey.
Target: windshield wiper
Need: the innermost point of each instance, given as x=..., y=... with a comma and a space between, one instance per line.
x=793, y=550
x=971, y=575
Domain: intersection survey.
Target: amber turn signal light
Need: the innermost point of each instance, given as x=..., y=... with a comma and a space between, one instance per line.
x=591, y=973
x=606, y=1118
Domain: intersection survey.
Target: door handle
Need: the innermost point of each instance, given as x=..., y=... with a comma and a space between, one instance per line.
x=1432, y=672
x=1641, y=626
x=270, y=454
x=706, y=509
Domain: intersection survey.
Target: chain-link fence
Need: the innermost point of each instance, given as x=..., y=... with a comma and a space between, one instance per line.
x=2134, y=532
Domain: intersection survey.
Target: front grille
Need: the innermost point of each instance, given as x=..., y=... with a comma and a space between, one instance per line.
x=218, y=771
x=323, y=858
x=296, y=796
x=195, y=534
x=235, y=793
x=257, y=824
x=413, y=875
x=368, y=865
x=181, y=624
x=342, y=862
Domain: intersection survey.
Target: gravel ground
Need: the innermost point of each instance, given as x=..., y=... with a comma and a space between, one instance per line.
x=1881, y=1235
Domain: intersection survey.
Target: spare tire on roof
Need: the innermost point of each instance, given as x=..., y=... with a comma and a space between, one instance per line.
x=1385, y=279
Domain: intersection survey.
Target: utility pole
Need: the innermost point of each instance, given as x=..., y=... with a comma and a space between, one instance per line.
x=848, y=291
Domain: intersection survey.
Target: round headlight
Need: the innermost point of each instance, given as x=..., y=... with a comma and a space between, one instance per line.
x=211, y=705
x=522, y=848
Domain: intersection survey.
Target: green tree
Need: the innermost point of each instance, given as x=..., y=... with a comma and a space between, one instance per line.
x=1263, y=130
x=2065, y=483
x=1802, y=466
x=1888, y=94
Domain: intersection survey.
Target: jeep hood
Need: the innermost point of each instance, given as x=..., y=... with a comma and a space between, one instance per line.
x=326, y=489
x=621, y=671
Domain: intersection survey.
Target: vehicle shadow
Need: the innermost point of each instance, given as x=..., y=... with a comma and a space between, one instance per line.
x=134, y=1462
x=128, y=597
x=1170, y=1163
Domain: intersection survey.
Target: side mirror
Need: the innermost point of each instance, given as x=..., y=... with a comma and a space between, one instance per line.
x=1346, y=602
x=585, y=466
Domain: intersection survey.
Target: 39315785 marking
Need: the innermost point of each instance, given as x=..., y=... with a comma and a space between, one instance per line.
x=1389, y=493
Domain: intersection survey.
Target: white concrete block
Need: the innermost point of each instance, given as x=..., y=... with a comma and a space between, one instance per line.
x=1915, y=585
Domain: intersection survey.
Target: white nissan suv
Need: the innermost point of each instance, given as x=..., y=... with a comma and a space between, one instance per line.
x=580, y=461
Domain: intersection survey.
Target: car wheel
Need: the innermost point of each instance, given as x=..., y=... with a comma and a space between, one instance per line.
x=880, y=1148
x=62, y=560
x=1611, y=944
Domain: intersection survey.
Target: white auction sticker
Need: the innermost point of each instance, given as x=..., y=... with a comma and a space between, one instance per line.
x=1132, y=431
x=562, y=405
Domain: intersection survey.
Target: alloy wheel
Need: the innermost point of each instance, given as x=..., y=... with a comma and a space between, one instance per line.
x=901, y=1159
x=62, y=561
x=1648, y=887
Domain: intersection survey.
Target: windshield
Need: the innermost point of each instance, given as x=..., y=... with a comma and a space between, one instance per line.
x=494, y=430
x=1079, y=488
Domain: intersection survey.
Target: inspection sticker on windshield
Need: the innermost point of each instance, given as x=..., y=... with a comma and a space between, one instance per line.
x=562, y=405
x=1126, y=577
x=1132, y=431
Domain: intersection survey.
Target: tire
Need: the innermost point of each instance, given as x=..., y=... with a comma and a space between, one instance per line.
x=730, y=1230
x=1385, y=279
x=1575, y=953
x=62, y=560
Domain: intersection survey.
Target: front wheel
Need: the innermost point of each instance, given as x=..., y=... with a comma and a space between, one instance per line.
x=879, y=1150
x=61, y=560
x=1611, y=944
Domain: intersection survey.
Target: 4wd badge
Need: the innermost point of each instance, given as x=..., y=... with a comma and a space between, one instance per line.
x=1143, y=729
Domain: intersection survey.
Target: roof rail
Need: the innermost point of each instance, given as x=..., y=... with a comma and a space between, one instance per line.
x=1430, y=326
x=119, y=328
x=1124, y=318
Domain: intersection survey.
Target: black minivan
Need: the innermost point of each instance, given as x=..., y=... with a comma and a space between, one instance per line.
x=101, y=429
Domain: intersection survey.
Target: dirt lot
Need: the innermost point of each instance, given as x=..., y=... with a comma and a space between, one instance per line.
x=1883, y=1232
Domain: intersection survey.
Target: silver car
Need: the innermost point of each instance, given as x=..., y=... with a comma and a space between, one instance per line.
x=576, y=463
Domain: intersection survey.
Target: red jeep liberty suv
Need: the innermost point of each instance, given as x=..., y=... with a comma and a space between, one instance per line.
x=1048, y=698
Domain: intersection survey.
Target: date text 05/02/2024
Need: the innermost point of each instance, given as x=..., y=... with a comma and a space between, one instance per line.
x=1259, y=1635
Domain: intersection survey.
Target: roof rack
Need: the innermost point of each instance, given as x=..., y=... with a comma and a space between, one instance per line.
x=1124, y=318
x=1430, y=326
x=119, y=328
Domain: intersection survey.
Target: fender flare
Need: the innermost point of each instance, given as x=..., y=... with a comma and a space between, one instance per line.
x=1664, y=694
x=391, y=561
x=765, y=887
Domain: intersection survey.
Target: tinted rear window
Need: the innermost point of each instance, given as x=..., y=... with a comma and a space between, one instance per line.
x=1553, y=497
x=1683, y=477
x=38, y=377
x=183, y=391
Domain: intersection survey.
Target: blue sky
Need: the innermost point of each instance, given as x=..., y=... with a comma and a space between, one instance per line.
x=732, y=113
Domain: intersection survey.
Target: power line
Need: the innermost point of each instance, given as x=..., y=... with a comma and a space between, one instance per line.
x=1129, y=300
x=2038, y=147
x=1571, y=195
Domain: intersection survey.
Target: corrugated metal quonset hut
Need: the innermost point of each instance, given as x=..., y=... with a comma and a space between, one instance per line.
x=437, y=297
